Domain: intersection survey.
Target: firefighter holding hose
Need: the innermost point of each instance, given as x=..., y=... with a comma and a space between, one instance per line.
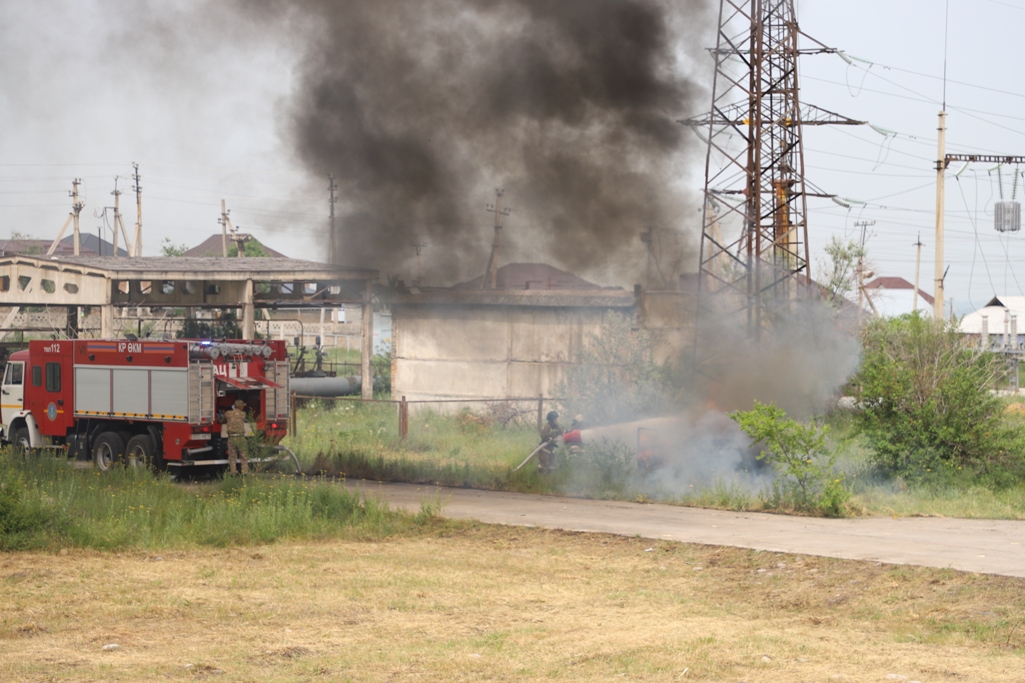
x=550, y=434
x=235, y=426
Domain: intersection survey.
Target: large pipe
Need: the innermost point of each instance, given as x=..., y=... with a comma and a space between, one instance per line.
x=325, y=386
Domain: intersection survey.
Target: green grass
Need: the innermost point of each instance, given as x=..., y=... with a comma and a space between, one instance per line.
x=44, y=503
x=360, y=440
x=465, y=449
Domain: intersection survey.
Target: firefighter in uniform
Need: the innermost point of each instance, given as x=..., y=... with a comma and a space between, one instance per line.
x=235, y=426
x=550, y=434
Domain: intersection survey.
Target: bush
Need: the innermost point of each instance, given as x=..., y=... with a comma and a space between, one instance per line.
x=799, y=455
x=926, y=401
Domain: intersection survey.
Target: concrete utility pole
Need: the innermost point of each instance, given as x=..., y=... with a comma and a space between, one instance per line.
x=332, y=187
x=942, y=164
x=490, y=280
x=76, y=209
x=941, y=167
x=225, y=225
x=77, y=205
x=861, y=266
x=418, y=245
x=137, y=242
x=239, y=239
x=918, y=266
x=119, y=222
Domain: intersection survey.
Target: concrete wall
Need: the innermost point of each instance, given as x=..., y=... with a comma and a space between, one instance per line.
x=506, y=348
x=486, y=351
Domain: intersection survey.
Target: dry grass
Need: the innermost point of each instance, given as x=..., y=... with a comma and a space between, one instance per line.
x=471, y=602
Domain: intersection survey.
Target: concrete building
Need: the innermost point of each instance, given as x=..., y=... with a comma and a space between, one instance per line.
x=112, y=284
x=1000, y=323
x=477, y=344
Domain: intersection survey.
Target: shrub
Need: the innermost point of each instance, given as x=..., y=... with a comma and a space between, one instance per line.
x=925, y=397
x=800, y=456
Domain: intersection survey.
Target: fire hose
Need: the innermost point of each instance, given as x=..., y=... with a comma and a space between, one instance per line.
x=567, y=438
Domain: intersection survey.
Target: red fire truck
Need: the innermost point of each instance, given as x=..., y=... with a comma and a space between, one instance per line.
x=142, y=401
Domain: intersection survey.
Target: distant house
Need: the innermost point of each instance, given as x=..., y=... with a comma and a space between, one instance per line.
x=214, y=246
x=88, y=245
x=894, y=296
x=1001, y=322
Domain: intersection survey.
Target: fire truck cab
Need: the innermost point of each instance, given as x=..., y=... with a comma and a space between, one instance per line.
x=142, y=402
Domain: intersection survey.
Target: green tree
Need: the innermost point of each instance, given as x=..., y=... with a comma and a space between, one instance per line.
x=840, y=272
x=617, y=378
x=925, y=395
x=169, y=248
x=250, y=248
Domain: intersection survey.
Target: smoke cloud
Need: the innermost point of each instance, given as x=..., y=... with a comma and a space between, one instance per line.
x=421, y=109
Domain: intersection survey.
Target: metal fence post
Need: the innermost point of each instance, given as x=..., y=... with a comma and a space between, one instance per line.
x=293, y=428
x=403, y=418
x=540, y=411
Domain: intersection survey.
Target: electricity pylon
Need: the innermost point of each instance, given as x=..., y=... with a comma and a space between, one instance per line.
x=754, y=166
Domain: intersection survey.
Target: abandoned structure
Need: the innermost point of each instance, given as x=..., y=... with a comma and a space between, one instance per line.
x=110, y=284
x=471, y=343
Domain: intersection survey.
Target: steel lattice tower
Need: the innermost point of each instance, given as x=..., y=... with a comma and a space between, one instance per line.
x=754, y=166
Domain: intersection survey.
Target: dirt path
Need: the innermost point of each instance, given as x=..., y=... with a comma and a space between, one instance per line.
x=984, y=546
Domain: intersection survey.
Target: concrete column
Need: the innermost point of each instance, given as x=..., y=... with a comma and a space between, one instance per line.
x=248, y=312
x=107, y=312
x=107, y=321
x=368, y=342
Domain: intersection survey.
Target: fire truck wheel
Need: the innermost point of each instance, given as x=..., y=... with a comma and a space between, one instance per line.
x=19, y=439
x=139, y=451
x=108, y=451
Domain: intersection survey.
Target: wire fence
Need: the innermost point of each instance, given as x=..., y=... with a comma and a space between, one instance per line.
x=402, y=406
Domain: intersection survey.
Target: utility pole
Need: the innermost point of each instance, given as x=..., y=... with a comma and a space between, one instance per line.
x=137, y=242
x=941, y=168
x=490, y=280
x=239, y=239
x=418, y=245
x=225, y=225
x=861, y=265
x=332, y=187
x=119, y=222
x=77, y=205
x=918, y=266
x=76, y=210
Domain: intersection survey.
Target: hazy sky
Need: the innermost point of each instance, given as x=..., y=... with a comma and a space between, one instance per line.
x=198, y=96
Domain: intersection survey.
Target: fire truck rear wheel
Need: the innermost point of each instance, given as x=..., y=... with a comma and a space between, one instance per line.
x=108, y=451
x=139, y=451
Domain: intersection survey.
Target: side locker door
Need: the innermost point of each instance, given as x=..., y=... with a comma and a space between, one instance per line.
x=52, y=406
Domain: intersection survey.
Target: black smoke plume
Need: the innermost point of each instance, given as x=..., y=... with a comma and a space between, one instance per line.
x=420, y=108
